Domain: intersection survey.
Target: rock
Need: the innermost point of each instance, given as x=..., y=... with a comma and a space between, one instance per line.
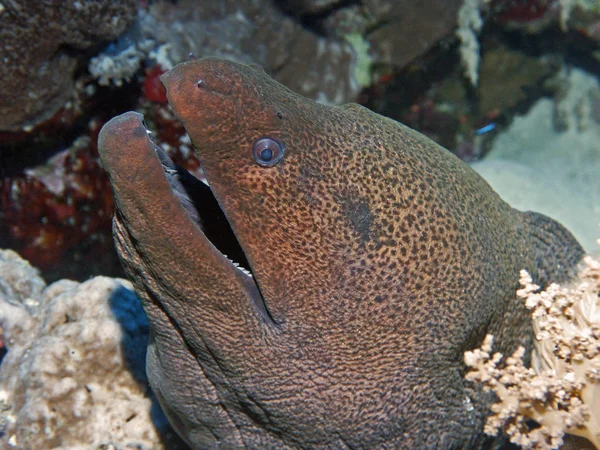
x=41, y=42
x=255, y=31
x=74, y=374
x=407, y=29
x=322, y=49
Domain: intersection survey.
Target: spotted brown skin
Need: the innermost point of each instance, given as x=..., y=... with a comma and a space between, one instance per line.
x=378, y=259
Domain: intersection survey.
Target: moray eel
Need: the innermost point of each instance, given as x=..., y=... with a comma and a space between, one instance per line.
x=371, y=259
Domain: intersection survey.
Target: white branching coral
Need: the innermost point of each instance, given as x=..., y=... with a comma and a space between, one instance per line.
x=118, y=66
x=469, y=25
x=561, y=391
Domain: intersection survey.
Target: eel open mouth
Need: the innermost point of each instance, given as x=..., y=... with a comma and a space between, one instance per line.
x=203, y=208
x=159, y=228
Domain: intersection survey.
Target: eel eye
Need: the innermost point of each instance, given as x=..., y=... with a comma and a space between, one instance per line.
x=267, y=152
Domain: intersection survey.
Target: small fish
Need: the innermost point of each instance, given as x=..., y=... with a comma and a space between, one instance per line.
x=485, y=129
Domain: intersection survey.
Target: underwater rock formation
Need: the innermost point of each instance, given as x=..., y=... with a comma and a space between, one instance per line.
x=40, y=46
x=256, y=31
x=74, y=375
x=423, y=24
x=321, y=49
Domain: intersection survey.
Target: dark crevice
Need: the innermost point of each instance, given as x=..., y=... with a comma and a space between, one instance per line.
x=571, y=47
x=204, y=209
x=21, y=150
x=215, y=225
x=313, y=20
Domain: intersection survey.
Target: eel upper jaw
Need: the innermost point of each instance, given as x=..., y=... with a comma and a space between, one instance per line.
x=203, y=209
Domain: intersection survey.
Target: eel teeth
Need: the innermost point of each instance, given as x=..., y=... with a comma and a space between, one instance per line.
x=244, y=271
x=238, y=267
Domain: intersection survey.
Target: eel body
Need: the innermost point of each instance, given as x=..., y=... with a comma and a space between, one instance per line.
x=372, y=260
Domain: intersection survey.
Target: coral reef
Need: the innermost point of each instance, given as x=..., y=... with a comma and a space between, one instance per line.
x=561, y=161
x=74, y=375
x=55, y=207
x=41, y=43
x=435, y=99
x=255, y=32
x=561, y=391
x=61, y=211
x=316, y=48
x=309, y=46
x=326, y=49
x=58, y=214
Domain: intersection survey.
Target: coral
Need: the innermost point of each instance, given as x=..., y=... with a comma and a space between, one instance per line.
x=260, y=32
x=160, y=54
x=116, y=66
x=73, y=376
x=469, y=25
x=433, y=98
x=152, y=87
x=58, y=214
x=41, y=45
x=519, y=11
x=561, y=391
x=322, y=49
x=396, y=32
x=59, y=210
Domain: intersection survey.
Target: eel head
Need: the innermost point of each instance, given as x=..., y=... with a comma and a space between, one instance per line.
x=321, y=290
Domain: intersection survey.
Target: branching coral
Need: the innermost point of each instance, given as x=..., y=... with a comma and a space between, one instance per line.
x=561, y=391
x=469, y=25
x=118, y=65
